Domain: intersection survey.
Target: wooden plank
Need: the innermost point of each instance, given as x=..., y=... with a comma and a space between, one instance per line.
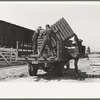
x=53, y=41
x=10, y=56
x=66, y=29
x=2, y=62
x=4, y=58
x=60, y=31
x=39, y=44
x=63, y=33
x=67, y=25
x=95, y=64
x=6, y=49
x=55, y=28
x=7, y=55
x=15, y=54
x=39, y=41
x=24, y=43
x=40, y=38
x=1, y=58
x=27, y=48
x=14, y=61
x=63, y=29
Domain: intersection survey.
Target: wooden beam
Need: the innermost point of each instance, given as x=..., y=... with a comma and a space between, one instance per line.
x=63, y=29
x=54, y=27
x=66, y=29
x=4, y=58
x=60, y=31
x=67, y=25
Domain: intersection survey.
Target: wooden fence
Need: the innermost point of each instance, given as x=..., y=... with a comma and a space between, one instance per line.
x=8, y=55
x=64, y=30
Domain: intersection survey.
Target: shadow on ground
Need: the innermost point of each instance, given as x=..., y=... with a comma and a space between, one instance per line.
x=69, y=74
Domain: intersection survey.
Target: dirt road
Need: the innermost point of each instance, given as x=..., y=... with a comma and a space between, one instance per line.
x=56, y=80
x=20, y=73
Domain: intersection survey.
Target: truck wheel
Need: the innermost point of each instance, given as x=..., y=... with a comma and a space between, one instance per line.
x=32, y=69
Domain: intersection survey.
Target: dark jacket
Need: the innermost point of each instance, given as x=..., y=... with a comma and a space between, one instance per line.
x=47, y=34
x=35, y=35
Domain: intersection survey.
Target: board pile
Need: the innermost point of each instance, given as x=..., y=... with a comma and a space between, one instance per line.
x=64, y=30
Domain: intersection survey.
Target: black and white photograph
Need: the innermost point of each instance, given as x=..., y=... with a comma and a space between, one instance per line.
x=50, y=42
x=49, y=49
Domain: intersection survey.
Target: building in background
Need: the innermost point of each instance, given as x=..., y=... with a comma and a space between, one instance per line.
x=10, y=34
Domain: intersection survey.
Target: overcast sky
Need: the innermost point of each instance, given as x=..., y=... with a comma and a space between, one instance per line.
x=83, y=17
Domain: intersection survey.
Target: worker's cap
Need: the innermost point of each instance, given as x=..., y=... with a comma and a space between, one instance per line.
x=47, y=25
x=39, y=27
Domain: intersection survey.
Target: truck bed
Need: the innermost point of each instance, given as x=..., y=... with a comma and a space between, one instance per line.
x=35, y=59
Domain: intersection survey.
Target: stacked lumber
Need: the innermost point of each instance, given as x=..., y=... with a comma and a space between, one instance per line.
x=64, y=30
x=39, y=42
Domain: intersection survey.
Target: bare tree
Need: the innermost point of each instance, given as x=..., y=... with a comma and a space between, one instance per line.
x=88, y=50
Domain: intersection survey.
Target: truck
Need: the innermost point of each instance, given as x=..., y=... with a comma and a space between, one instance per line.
x=49, y=64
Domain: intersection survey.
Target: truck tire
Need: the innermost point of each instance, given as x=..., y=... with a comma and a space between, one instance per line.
x=32, y=69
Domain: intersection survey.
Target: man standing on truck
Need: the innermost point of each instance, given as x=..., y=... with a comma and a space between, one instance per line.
x=34, y=39
x=47, y=41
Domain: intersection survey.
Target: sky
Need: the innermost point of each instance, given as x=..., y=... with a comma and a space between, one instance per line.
x=83, y=17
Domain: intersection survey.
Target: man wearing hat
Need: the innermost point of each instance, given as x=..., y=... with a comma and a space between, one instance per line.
x=78, y=43
x=34, y=39
x=47, y=41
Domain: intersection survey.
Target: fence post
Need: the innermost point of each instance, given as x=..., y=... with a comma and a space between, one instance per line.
x=10, y=55
x=4, y=57
x=17, y=50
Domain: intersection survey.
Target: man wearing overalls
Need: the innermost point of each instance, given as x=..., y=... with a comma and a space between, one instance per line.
x=47, y=41
x=34, y=39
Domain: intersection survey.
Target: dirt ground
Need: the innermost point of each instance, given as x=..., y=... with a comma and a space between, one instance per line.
x=19, y=73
